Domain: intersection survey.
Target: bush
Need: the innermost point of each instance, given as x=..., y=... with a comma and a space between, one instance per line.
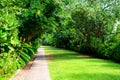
x=110, y=49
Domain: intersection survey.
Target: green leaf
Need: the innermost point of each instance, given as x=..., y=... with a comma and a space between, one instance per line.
x=24, y=56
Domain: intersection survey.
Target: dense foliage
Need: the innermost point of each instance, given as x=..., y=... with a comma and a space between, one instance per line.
x=82, y=25
x=90, y=27
x=22, y=22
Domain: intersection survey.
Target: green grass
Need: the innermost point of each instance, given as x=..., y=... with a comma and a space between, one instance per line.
x=69, y=65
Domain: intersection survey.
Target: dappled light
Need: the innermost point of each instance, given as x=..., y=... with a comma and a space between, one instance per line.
x=90, y=27
x=75, y=66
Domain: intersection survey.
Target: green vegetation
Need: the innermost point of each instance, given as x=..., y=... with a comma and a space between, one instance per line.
x=90, y=27
x=69, y=65
x=22, y=22
x=87, y=26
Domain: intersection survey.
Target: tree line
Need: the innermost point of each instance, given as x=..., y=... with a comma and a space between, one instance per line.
x=85, y=26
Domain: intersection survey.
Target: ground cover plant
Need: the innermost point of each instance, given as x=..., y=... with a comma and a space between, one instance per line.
x=69, y=65
x=88, y=26
x=21, y=27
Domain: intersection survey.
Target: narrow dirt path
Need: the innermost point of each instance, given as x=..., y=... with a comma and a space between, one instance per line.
x=36, y=70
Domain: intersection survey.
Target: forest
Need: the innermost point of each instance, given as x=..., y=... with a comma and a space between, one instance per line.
x=91, y=27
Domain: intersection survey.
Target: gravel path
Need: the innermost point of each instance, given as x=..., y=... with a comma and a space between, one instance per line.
x=38, y=70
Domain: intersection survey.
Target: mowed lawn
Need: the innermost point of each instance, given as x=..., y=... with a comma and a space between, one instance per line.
x=69, y=65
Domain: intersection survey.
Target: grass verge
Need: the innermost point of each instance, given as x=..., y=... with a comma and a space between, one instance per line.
x=69, y=65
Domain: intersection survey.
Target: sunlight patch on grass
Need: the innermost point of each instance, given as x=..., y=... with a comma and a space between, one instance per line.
x=69, y=65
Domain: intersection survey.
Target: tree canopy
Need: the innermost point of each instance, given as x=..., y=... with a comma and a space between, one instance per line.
x=87, y=26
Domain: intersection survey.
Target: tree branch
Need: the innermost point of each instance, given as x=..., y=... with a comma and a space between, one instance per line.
x=107, y=5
